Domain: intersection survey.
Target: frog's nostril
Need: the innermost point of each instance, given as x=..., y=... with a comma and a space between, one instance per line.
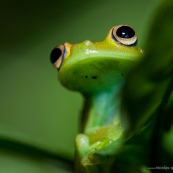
x=88, y=43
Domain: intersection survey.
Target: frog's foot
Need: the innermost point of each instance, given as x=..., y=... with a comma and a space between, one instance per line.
x=90, y=154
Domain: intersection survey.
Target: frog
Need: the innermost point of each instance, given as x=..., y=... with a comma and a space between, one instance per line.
x=98, y=70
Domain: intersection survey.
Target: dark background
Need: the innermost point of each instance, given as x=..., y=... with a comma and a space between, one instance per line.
x=34, y=107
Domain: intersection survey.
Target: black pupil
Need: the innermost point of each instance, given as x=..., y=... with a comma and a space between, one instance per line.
x=55, y=54
x=125, y=32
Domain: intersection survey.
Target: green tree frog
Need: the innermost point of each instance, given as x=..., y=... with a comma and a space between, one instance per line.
x=97, y=71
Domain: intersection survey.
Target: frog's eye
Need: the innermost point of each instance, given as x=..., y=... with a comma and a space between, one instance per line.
x=57, y=56
x=124, y=34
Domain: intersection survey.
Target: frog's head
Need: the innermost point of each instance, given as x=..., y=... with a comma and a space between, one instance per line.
x=88, y=66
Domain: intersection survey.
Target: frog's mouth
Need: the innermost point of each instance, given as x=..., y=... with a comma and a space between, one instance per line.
x=88, y=75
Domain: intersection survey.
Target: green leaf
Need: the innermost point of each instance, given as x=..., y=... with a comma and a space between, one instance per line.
x=148, y=85
x=147, y=103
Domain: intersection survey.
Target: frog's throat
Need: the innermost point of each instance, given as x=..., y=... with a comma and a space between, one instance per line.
x=101, y=109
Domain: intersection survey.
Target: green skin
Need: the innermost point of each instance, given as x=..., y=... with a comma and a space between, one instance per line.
x=97, y=71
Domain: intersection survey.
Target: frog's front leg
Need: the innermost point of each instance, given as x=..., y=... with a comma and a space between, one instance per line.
x=88, y=158
x=105, y=156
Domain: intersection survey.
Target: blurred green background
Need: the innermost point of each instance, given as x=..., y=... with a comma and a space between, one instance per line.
x=34, y=107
